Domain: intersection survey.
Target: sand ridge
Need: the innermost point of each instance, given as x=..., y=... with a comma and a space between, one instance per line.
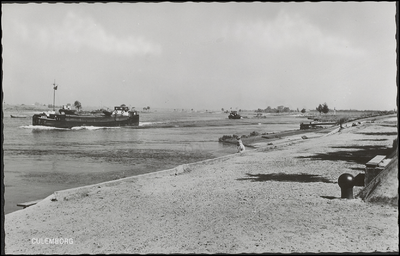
x=278, y=198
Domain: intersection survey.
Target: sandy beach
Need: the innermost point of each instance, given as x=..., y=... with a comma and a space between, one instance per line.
x=281, y=197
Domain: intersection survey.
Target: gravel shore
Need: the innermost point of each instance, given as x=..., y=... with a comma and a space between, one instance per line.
x=278, y=198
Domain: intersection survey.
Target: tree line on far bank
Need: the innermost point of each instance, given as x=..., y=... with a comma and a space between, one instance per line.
x=279, y=109
x=322, y=108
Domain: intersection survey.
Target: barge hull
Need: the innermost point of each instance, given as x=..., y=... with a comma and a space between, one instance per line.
x=62, y=121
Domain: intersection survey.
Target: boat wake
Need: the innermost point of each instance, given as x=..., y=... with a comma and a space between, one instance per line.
x=93, y=128
x=40, y=127
x=149, y=123
x=90, y=128
x=77, y=128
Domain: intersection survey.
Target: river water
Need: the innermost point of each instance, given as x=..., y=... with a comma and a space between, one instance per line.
x=40, y=160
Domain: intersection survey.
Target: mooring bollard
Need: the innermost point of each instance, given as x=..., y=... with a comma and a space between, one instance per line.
x=346, y=184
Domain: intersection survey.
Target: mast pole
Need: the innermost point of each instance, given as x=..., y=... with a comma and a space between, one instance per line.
x=54, y=94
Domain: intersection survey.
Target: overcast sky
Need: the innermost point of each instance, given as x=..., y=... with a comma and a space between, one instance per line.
x=202, y=55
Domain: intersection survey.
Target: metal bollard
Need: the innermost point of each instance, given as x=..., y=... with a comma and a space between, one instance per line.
x=346, y=184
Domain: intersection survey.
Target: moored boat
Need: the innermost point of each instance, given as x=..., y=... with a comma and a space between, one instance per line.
x=313, y=125
x=18, y=116
x=121, y=116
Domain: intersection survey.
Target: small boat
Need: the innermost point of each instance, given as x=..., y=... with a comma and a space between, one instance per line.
x=121, y=116
x=313, y=125
x=234, y=115
x=18, y=116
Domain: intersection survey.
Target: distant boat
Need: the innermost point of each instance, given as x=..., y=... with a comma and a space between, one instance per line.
x=313, y=125
x=18, y=116
x=234, y=115
x=121, y=116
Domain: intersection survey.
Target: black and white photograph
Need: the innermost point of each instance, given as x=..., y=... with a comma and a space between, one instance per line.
x=199, y=127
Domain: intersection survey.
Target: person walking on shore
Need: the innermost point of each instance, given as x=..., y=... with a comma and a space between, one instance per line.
x=240, y=146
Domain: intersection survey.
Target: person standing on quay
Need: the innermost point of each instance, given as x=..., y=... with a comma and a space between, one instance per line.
x=240, y=146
